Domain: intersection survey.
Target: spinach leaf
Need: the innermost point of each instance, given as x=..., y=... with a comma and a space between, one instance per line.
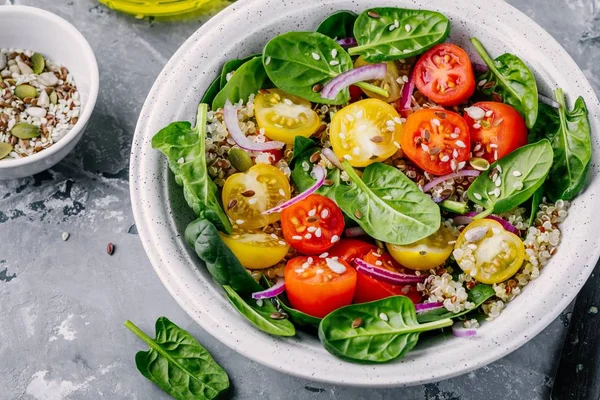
x=231, y=66
x=510, y=78
x=520, y=173
x=247, y=80
x=260, y=316
x=338, y=25
x=301, y=146
x=211, y=92
x=222, y=264
x=386, y=34
x=300, y=62
x=385, y=330
x=298, y=317
x=302, y=168
x=178, y=364
x=184, y=147
x=388, y=205
x=536, y=200
x=478, y=295
x=569, y=133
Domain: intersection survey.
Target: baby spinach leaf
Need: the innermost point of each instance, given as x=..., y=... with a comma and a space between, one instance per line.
x=389, y=33
x=374, y=332
x=510, y=78
x=247, y=80
x=178, y=364
x=231, y=66
x=222, y=264
x=569, y=133
x=184, y=147
x=388, y=205
x=211, y=92
x=302, y=167
x=536, y=200
x=264, y=317
x=520, y=174
x=478, y=295
x=301, y=62
x=338, y=25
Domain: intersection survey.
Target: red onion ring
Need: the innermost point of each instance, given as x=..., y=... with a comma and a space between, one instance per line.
x=467, y=218
x=330, y=155
x=440, y=179
x=347, y=42
x=407, y=91
x=384, y=275
x=548, y=101
x=422, y=307
x=355, y=231
x=459, y=330
x=233, y=126
x=360, y=74
x=273, y=291
x=319, y=174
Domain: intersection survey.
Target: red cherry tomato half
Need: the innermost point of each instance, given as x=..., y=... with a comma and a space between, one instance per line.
x=436, y=140
x=312, y=225
x=498, y=133
x=351, y=249
x=315, y=288
x=445, y=75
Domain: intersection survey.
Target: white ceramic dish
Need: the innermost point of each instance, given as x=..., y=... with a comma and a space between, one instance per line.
x=161, y=215
x=57, y=39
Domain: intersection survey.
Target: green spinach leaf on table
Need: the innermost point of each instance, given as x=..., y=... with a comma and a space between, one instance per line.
x=388, y=205
x=247, y=79
x=302, y=167
x=569, y=133
x=263, y=316
x=338, y=25
x=184, y=147
x=375, y=332
x=178, y=364
x=521, y=173
x=510, y=81
x=478, y=295
x=389, y=33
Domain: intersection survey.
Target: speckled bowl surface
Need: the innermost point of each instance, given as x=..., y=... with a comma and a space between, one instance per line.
x=161, y=214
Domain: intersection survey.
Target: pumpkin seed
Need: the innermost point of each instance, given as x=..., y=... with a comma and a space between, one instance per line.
x=23, y=91
x=53, y=97
x=238, y=158
x=5, y=149
x=38, y=63
x=23, y=130
x=480, y=164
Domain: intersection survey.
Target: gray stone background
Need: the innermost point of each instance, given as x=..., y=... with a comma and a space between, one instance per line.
x=63, y=304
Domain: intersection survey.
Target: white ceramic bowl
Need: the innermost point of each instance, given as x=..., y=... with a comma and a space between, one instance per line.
x=34, y=29
x=161, y=214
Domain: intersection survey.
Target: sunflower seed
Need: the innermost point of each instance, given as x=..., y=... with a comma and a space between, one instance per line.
x=248, y=193
x=373, y=14
x=357, y=323
x=110, y=249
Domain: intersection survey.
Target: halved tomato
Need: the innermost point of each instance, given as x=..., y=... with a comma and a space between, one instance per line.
x=256, y=249
x=317, y=286
x=312, y=225
x=497, y=129
x=426, y=253
x=445, y=75
x=351, y=249
x=438, y=141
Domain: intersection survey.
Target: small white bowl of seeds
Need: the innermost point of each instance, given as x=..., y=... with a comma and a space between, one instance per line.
x=48, y=89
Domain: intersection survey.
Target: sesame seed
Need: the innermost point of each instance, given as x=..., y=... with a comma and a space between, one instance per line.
x=274, y=236
x=288, y=102
x=517, y=173
x=392, y=27
x=425, y=147
x=335, y=266
x=305, y=265
x=477, y=147
x=499, y=168
x=312, y=212
x=518, y=185
x=348, y=157
x=378, y=263
x=461, y=144
x=360, y=114
x=319, y=271
x=240, y=221
x=282, y=243
x=296, y=237
x=180, y=161
x=252, y=201
x=387, y=197
x=461, y=164
x=318, y=233
x=350, y=117
x=268, y=60
x=405, y=78
x=384, y=317
x=282, y=192
x=477, y=196
x=334, y=53
x=334, y=238
x=356, y=150
x=398, y=120
x=311, y=229
x=308, y=236
x=397, y=144
x=309, y=260
x=455, y=153
x=316, y=56
x=259, y=302
x=482, y=82
x=498, y=182
x=435, y=122
x=324, y=213
x=407, y=28
x=445, y=158
x=324, y=255
x=493, y=145
x=299, y=270
x=334, y=62
x=489, y=113
x=476, y=126
x=396, y=23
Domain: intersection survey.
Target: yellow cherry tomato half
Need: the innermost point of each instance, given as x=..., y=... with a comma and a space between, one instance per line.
x=284, y=116
x=425, y=254
x=488, y=252
x=246, y=195
x=393, y=81
x=256, y=250
x=365, y=132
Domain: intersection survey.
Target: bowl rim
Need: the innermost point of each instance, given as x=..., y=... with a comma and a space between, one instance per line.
x=88, y=107
x=210, y=322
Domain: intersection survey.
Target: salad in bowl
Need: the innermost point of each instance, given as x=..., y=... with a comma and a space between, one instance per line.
x=370, y=181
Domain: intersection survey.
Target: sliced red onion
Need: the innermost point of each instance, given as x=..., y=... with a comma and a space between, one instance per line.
x=407, y=91
x=547, y=100
x=440, y=179
x=467, y=218
x=422, y=307
x=347, y=42
x=382, y=274
x=319, y=174
x=233, y=126
x=273, y=291
x=355, y=231
x=330, y=155
x=360, y=74
x=459, y=330
x=480, y=68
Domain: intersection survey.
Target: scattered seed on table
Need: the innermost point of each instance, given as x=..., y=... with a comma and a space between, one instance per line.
x=110, y=249
x=65, y=236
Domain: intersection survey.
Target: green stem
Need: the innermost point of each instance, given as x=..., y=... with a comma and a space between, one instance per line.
x=483, y=214
x=373, y=88
x=429, y=326
x=139, y=333
x=455, y=207
x=483, y=54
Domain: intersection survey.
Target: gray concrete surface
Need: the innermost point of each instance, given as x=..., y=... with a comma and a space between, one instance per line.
x=63, y=304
